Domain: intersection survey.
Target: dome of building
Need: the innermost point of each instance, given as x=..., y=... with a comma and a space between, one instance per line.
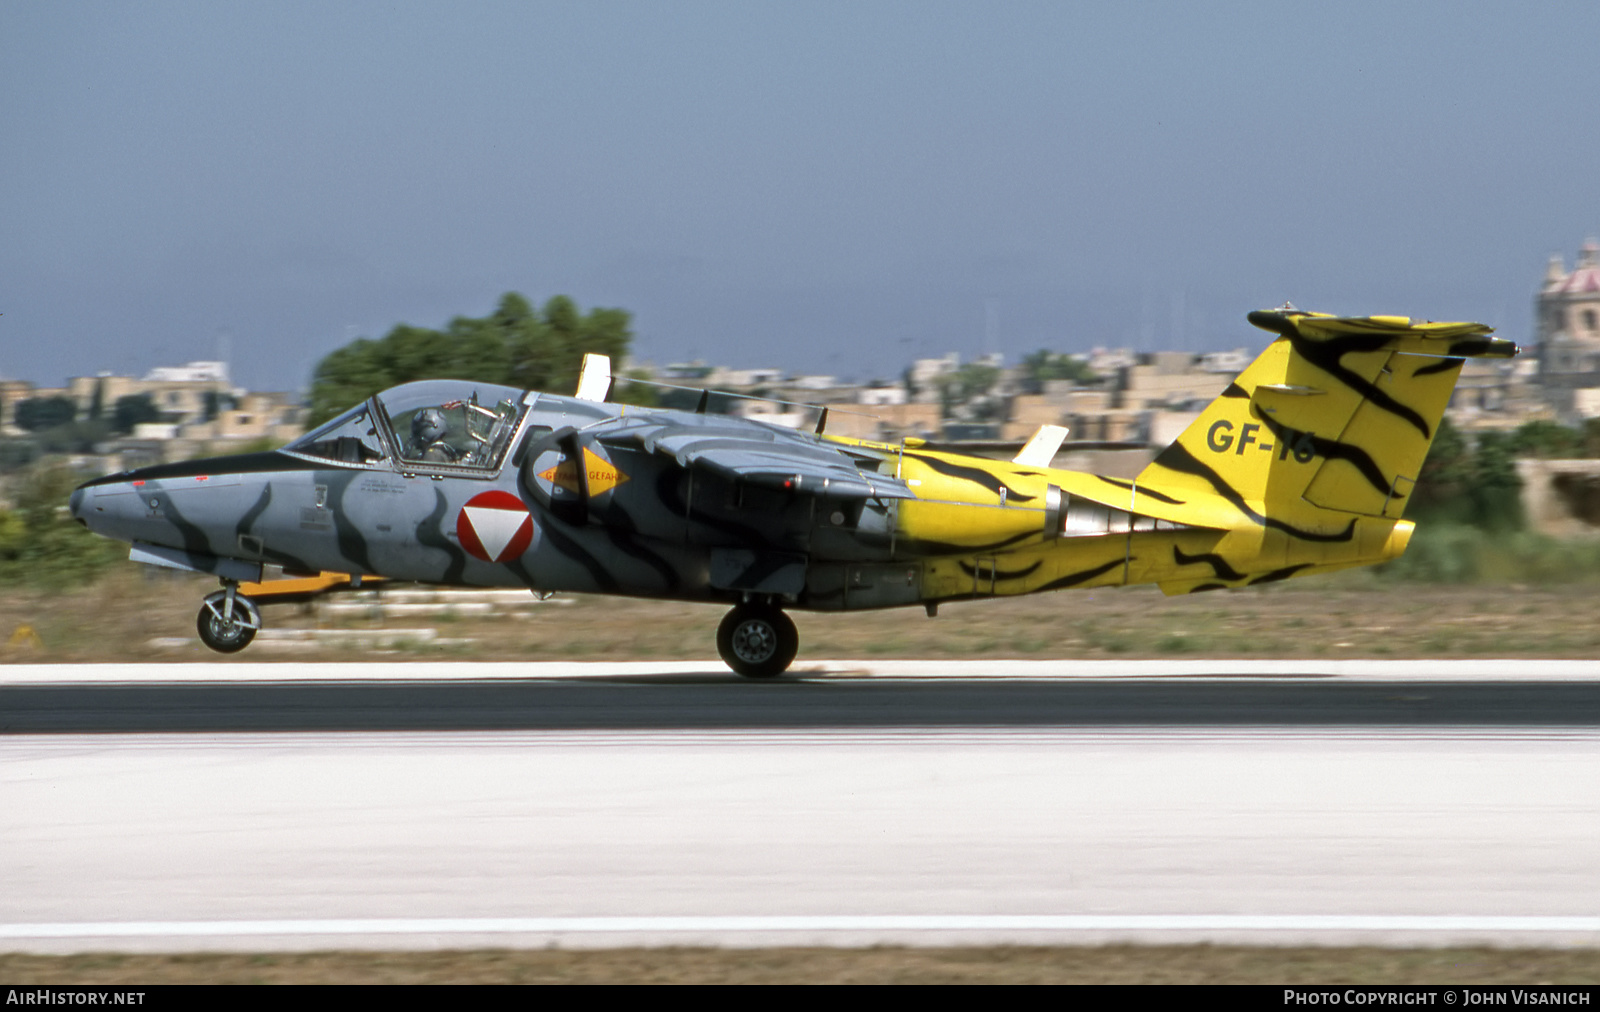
x=1585, y=276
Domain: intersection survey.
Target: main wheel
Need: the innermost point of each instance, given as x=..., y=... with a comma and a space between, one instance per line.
x=228, y=633
x=757, y=641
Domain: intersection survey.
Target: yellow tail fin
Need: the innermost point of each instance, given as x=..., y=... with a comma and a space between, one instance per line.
x=1338, y=412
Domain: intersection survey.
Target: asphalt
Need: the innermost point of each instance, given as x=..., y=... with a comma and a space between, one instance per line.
x=716, y=700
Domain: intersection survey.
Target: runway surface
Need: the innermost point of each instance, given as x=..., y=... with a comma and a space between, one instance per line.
x=334, y=807
x=466, y=697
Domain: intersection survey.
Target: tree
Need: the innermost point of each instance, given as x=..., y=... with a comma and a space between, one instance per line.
x=132, y=410
x=632, y=388
x=965, y=386
x=16, y=454
x=515, y=345
x=38, y=413
x=39, y=543
x=1045, y=365
x=1469, y=482
x=1547, y=440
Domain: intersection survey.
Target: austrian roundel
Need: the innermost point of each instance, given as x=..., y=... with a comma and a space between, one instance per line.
x=494, y=526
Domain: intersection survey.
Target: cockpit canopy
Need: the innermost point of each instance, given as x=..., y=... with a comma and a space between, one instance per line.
x=433, y=425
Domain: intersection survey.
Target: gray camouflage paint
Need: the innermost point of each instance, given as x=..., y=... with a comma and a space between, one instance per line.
x=711, y=507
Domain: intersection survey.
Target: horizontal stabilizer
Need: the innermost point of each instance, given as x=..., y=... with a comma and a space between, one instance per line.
x=1396, y=333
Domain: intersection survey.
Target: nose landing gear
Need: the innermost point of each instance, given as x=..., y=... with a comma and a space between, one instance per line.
x=757, y=641
x=228, y=621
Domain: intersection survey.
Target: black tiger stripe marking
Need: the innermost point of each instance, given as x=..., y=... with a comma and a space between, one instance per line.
x=1073, y=579
x=975, y=475
x=1235, y=390
x=1218, y=564
x=1443, y=365
x=1280, y=574
x=1178, y=458
x=1332, y=449
x=1327, y=355
x=1139, y=490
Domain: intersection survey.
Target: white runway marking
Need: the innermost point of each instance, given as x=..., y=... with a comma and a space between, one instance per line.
x=841, y=923
x=841, y=672
x=900, y=737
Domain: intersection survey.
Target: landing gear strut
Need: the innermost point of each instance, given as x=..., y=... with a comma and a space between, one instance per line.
x=228, y=621
x=757, y=640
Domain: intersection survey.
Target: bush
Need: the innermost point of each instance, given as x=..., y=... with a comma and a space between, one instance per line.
x=40, y=544
x=1456, y=553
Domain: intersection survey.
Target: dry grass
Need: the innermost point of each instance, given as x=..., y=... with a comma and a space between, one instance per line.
x=1195, y=964
x=1357, y=616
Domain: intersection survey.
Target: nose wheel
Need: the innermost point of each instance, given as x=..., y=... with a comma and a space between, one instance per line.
x=228, y=621
x=757, y=641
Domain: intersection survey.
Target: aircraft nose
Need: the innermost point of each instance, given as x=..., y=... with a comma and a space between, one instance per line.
x=91, y=506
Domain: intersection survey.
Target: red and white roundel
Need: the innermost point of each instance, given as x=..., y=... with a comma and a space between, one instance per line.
x=494, y=526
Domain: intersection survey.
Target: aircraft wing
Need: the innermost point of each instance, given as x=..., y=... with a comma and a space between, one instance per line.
x=764, y=455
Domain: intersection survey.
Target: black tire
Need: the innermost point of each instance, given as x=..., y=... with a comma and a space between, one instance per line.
x=757, y=642
x=232, y=634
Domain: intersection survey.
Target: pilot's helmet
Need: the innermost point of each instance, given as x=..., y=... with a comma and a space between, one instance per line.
x=428, y=425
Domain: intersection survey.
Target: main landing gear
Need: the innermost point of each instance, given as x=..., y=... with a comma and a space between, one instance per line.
x=757, y=640
x=228, y=620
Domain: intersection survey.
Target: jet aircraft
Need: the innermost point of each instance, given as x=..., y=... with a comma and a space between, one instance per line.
x=1303, y=465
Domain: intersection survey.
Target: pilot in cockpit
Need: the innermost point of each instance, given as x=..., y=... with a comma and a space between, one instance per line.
x=428, y=430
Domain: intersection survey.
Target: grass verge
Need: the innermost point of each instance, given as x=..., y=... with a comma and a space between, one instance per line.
x=1115, y=964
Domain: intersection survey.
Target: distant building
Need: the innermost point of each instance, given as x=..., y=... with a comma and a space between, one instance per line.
x=881, y=395
x=680, y=372
x=200, y=412
x=813, y=382
x=1106, y=361
x=181, y=393
x=194, y=372
x=12, y=392
x=1230, y=362
x=744, y=378
x=924, y=374
x=1568, y=315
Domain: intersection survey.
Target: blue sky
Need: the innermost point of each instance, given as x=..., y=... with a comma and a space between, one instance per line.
x=825, y=187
